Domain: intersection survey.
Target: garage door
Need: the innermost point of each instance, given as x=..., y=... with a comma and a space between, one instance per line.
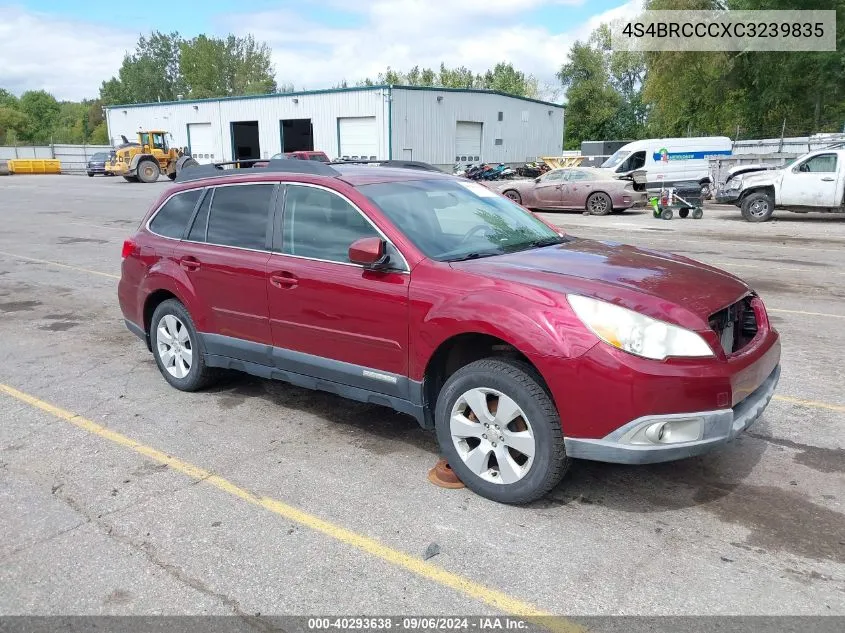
x=467, y=142
x=358, y=137
x=201, y=142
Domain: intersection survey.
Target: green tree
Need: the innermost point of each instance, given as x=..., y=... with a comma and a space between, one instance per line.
x=13, y=124
x=215, y=67
x=7, y=99
x=503, y=77
x=42, y=111
x=150, y=73
x=592, y=101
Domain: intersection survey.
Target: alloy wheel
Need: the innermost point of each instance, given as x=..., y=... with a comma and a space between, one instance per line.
x=492, y=435
x=175, y=348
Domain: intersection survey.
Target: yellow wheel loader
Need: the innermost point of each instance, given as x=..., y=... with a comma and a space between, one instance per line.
x=148, y=158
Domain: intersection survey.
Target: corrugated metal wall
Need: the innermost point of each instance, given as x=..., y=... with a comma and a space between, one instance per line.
x=323, y=108
x=72, y=157
x=422, y=128
x=426, y=127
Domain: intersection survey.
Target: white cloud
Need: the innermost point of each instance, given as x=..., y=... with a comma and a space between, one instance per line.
x=67, y=58
x=73, y=57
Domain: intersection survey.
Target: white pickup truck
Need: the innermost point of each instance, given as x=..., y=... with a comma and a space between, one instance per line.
x=813, y=182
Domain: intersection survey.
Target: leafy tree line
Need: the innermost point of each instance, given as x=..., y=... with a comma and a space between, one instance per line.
x=38, y=118
x=503, y=77
x=626, y=95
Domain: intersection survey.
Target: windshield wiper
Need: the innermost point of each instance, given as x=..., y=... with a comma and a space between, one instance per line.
x=549, y=241
x=474, y=255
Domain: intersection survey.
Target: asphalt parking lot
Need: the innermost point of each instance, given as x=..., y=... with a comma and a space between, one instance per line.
x=121, y=495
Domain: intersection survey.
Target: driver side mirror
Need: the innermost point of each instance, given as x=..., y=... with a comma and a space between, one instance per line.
x=369, y=252
x=537, y=179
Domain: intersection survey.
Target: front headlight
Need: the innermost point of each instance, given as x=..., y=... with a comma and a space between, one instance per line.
x=636, y=333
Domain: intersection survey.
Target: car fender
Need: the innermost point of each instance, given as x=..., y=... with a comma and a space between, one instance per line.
x=537, y=324
x=137, y=158
x=169, y=276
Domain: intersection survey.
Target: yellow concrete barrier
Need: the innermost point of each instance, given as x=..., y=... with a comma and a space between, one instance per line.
x=35, y=166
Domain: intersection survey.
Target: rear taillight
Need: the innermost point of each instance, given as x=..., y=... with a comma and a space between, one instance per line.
x=128, y=249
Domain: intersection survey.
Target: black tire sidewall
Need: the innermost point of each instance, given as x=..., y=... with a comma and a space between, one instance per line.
x=140, y=170
x=746, y=207
x=516, y=196
x=539, y=479
x=198, y=375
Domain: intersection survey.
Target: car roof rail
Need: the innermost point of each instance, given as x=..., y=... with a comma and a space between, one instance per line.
x=242, y=167
x=402, y=164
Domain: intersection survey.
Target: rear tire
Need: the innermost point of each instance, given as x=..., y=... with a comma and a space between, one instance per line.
x=697, y=214
x=148, y=171
x=177, y=348
x=683, y=213
x=666, y=214
x=514, y=195
x=758, y=207
x=599, y=204
x=533, y=426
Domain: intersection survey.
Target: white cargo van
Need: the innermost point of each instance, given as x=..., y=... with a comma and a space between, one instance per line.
x=667, y=161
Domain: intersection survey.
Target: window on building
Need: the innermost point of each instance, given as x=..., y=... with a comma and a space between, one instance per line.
x=501, y=116
x=173, y=217
x=240, y=216
x=498, y=141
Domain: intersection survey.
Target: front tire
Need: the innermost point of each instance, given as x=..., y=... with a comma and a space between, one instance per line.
x=514, y=195
x=130, y=178
x=758, y=207
x=500, y=432
x=177, y=348
x=148, y=171
x=599, y=204
x=90, y=174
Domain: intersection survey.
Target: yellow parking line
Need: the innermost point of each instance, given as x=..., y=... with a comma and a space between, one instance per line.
x=812, y=403
x=494, y=598
x=51, y=263
x=820, y=314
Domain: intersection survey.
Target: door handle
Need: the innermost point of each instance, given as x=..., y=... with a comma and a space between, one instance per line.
x=559, y=187
x=189, y=263
x=283, y=279
x=828, y=179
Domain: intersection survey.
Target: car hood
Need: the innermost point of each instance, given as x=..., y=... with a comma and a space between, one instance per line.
x=760, y=177
x=665, y=286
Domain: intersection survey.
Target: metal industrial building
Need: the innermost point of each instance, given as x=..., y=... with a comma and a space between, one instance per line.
x=440, y=126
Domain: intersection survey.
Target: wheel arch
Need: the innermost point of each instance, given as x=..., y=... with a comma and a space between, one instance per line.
x=137, y=158
x=460, y=350
x=769, y=190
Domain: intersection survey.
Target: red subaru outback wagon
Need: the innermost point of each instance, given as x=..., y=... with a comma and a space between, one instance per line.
x=520, y=346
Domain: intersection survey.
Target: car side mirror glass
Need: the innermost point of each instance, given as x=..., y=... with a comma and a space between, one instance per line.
x=369, y=252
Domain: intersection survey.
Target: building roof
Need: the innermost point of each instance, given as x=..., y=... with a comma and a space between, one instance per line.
x=336, y=90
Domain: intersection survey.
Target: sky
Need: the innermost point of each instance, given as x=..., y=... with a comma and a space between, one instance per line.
x=69, y=47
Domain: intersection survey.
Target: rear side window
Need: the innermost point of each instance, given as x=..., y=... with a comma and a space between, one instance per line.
x=197, y=233
x=239, y=216
x=173, y=217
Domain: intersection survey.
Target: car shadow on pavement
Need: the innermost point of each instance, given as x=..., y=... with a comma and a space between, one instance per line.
x=660, y=487
x=375, y=428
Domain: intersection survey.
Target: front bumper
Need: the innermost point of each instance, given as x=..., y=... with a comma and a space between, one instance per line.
x=727, y=197
x=637, y=443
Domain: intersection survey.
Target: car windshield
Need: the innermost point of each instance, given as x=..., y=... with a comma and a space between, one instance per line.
x=320, y=157
x=450, y=220
x=100, y=156
x=614, y=160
